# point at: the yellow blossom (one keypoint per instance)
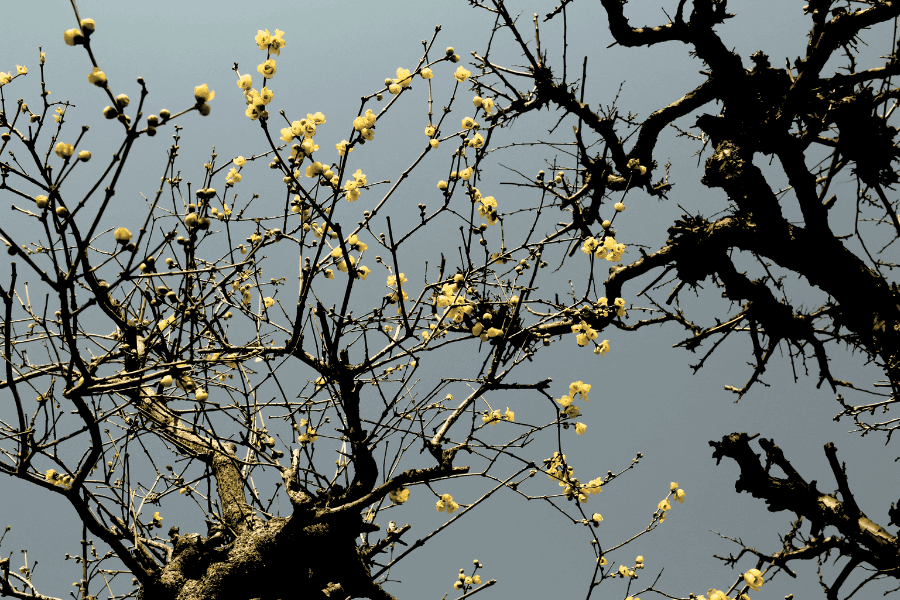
(73, 36)
(400, 495)
(579, 387)
(267, 69)
(461, 74)
(342, 148)
(754, 579)
(354, 242)
(277, 43)
(603, 349)
(202, 94)
(232, 177)
(580, 428)
(403, 77)
(245, 82)
(392, 280)
(97, 77)
(426, 73)
(64, 150)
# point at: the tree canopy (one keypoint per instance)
(214, 347)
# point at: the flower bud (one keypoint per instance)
(122, 235)
(152, 121)
(88, 26)
(97, 77)
(41, 201)
(84, 156)
(73, 37)
(122, 100)
(110, 113)
(164, 114)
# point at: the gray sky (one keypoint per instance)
(644, 397)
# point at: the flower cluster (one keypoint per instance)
(586, 333)
(391, 282)
(446, 503)
(636, 165)
(464, 581)
(608, 249)
(364, 124)
(256, 100)
(678, 494)
(488, 207)
(202, 94)
(62, 480)
(486, 104)
(453, 296)
(604, 308)
(715, 595)
(572, 487)
(492, 418)
(576, 388)
(579, 387)
(304, 129)
(310, 434)
(271, 43)
(351, 187)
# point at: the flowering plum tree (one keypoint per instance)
(175, 343)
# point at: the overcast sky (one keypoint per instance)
(644, 397)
